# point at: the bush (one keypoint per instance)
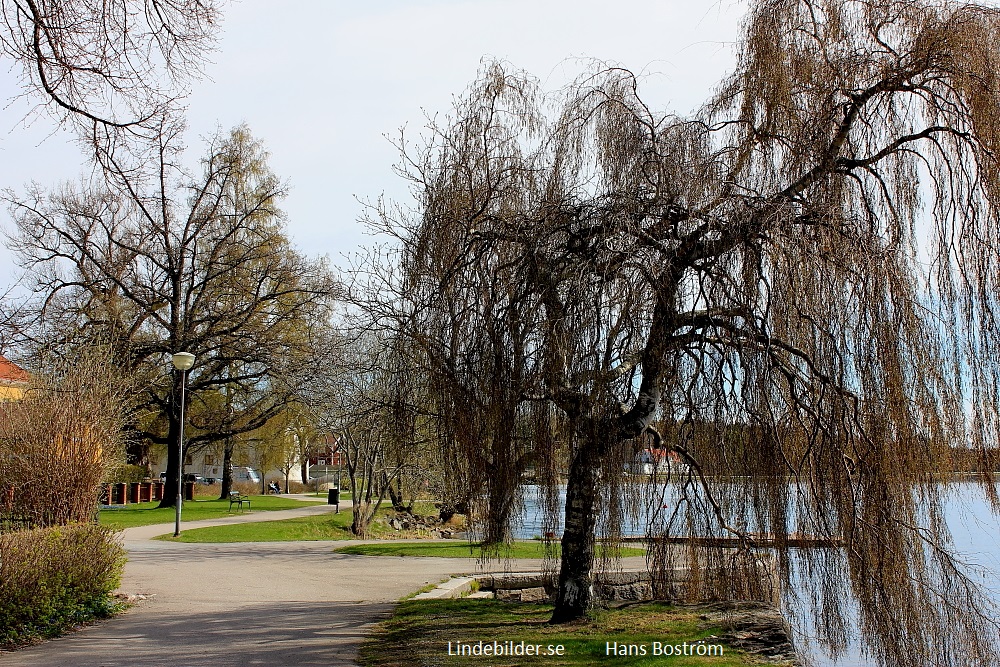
(207, 490)
(54, 578)
(294, 487)
(129, 474)
(247, 488)
(60, 441)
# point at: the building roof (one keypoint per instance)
(11, 372)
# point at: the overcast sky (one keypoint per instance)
(323, 83)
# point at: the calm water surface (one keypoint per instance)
(975, 529)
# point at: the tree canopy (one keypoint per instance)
(794, 288)
(115, 64)
(165, 261)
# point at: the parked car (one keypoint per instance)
(209, 480)
(189, 477)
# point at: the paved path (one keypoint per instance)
(222, 605)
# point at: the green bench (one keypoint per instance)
(238, 499)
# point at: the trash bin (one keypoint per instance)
(188, 490)
(333, 496)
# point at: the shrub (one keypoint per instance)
(248, 488)
(130, 474)
(60, 441)
(54, 578)
(294, 487)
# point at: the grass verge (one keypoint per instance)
(145, 514)
(299, 529)
(309, 528)
(526, 549)
(422, 632)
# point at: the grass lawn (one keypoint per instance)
(145, 514)
(306, 528)
(338, 527)
(419, 633)
(527, 549)
(309, 528)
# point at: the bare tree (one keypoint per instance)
(797, 283)
(173, 262)
(361, 393)
(476, 336)
(116, 64)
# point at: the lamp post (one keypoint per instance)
(182, 361)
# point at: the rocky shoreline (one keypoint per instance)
(754, 627)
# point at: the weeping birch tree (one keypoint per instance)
(794, 289)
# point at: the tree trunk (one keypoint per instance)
(395, 488)
(500, 503)
(359, 520)
(576, 585)
(227, 467)
(173, 445)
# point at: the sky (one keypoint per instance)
(325, 84)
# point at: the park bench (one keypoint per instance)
(13, 522)
(238, 499)
(113, 508)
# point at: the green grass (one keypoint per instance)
(419, 632)
(300, 529)
(424, 589)
(309, 528)
(145, 514)
(528, 549)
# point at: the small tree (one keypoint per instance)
(359, 392)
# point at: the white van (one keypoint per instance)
(244, 474)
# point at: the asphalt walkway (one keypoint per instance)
(222, 605)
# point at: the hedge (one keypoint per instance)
(54, 578)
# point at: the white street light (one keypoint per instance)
(182, 361)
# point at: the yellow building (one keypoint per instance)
(13, 380)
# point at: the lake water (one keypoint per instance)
(975, 529)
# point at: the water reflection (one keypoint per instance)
(975, 530)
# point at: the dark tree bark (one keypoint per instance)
(170, 488)
(227, 467)
(575, 595)
(395, 491)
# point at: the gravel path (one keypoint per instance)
(221, 605)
